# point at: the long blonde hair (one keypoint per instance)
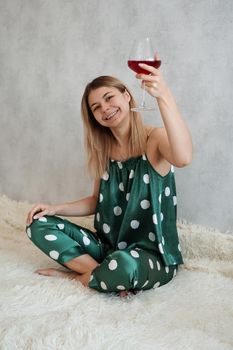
(99, 140)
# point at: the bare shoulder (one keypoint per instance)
(155, 137)
(155, 134)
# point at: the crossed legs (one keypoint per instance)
(81, 269)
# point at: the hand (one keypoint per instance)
(40, 210)
(154, 82)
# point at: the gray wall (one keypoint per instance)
(49, 50)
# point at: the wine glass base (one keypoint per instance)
(142, 109)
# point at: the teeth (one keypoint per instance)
(111, 115)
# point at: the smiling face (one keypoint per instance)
(109, 106)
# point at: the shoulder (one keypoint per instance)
(154, 135)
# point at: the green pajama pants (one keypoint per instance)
(129, 269)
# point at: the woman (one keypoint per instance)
(135, 246)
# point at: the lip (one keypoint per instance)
(111, 115)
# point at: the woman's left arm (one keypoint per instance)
(174, 143)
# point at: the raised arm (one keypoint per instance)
(174, 141)
(82, 207)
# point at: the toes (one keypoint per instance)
(48, 272)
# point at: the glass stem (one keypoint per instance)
(143, 103)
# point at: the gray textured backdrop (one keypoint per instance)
(49, 50)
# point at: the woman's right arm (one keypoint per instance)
(82, 207)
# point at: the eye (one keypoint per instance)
(109, 97)
(95, 108)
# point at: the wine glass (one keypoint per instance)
(142, 52)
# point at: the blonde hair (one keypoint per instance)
(99, 140)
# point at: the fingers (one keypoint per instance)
(39, 210)
(150, 84)
(148, 77)
(150, 69)
(39, 215)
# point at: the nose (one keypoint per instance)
(104, 107)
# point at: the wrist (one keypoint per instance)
(166, 98)
(165, 93)
(58, 209)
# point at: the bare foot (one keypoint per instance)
(126, 293)
(56, 273)
(83, 278)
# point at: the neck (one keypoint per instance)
(121, 135)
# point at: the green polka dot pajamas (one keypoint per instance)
(136, 241)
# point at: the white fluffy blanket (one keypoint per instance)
(194, 311)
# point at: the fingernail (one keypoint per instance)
(35, 217)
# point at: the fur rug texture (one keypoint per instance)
(194, 311)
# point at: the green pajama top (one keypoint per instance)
(137, 208)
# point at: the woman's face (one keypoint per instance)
(109, 106)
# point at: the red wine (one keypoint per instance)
(133, 64)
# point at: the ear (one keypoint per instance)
(127, 95)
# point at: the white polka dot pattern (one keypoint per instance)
(156, 285)
(50, 237)
(179, 247)
(103, 285)
(145, 284)
(151, 264)
(160, 198)
(152, 236)
(60, 226)
(134, 224)
(106, 228)
(145, 204)
(91, 278)
(167, 191)
(146, 179)
(29, 232)
(42, 219)
(83, 232)
(121, 187)
(134, 253)
(122, 245)
(105, 176)
(112, 265)
(117, 211)
(54, 254)
(147, 209)
(120, 287)
(155, 220)
(161, 248)
(86, 240)
(131, 174)
(174, 200)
